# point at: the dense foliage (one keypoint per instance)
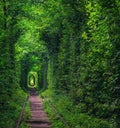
(74, 47)
(11, 96)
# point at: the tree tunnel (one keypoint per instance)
(33, 72)
(32, 80)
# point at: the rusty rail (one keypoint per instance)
(57, 113)
(21, 114)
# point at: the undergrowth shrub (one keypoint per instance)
(72, 115)
(10, 114)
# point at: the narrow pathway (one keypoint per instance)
(39, 118)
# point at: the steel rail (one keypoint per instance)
(21, 113)
(57, 113)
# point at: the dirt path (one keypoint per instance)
(39, 118)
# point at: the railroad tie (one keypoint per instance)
(39, 118)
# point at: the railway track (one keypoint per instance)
(39, 118)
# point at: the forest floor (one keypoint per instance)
(39, 118)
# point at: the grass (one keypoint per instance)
(72, 114)
(10, 112)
